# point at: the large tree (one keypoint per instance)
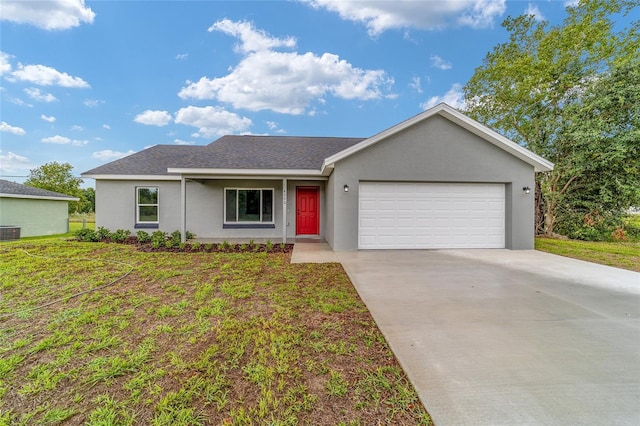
(57, 177)
(561, 91)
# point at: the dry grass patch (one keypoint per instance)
(189, 339)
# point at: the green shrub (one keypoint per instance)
(143, 237)
(86, 234)
(158, 238)
(176, 239)
(103, 233)
(590, 226)
(269, 245)
(189, 235)
(120, 235)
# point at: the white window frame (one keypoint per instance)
(138, 205)
(261, 222)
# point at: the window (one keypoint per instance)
(147, 204)
(248, 206)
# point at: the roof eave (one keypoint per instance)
(39, 197)
(128, 177)
(245, 172)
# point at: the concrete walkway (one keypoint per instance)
(313, 252)
(500, 337)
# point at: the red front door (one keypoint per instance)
(307, 211)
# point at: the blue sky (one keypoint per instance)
(87, 82)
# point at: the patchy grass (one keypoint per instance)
(189, 339)
(625, 255)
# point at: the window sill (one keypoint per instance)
(248, 226)
(146, 226)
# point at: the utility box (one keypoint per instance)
(8, 233)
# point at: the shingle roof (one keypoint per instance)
(17, 189)
(231, 152)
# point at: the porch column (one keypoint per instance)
(284, 210)
(183, 209)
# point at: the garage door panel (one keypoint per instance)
(429, 215)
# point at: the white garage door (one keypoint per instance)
(431, 215)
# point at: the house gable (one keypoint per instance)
(454, 116)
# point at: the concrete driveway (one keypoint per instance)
(500, 337)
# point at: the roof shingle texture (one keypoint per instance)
(231, 152)
(12, 188)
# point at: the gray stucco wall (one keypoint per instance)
(434, 150)
(35, 217)
(116, 206)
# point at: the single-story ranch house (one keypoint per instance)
(436, 180)
(35, 211)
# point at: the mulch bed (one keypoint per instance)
(196, 247)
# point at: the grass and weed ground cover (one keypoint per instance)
(189, 339)
(624, 255)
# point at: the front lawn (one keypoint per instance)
(189, 339)
(624, 255)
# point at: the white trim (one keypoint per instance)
(183, 210)
(132, 177)
(540, 164)
(239, 177)
(260, 222)
(39, 197)
(246, 172)
(284, 210)
(157, 204)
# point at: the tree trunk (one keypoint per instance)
(539, 209)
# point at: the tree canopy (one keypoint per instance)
(570, 93)
(57, 177)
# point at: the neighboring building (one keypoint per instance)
(35, 211)
(437, 180)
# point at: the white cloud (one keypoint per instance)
(11, 162)
(252, 39)
(181, 142)
(379, 16)
(5, 66)
(109, 155)
(416, 84)
(532, 9)
(106, 126)
(272, 125)
(454, 98)
(482, 13)
(153, 118)
(43, 75)
(285, 82)
(77, 128)
(20, 102)
(48, 15)
(212, 121)
(48, 119)
(182, 56)
(4, 127)
(35, 94)
(438, 62)
(63, 140)
(92, 103)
